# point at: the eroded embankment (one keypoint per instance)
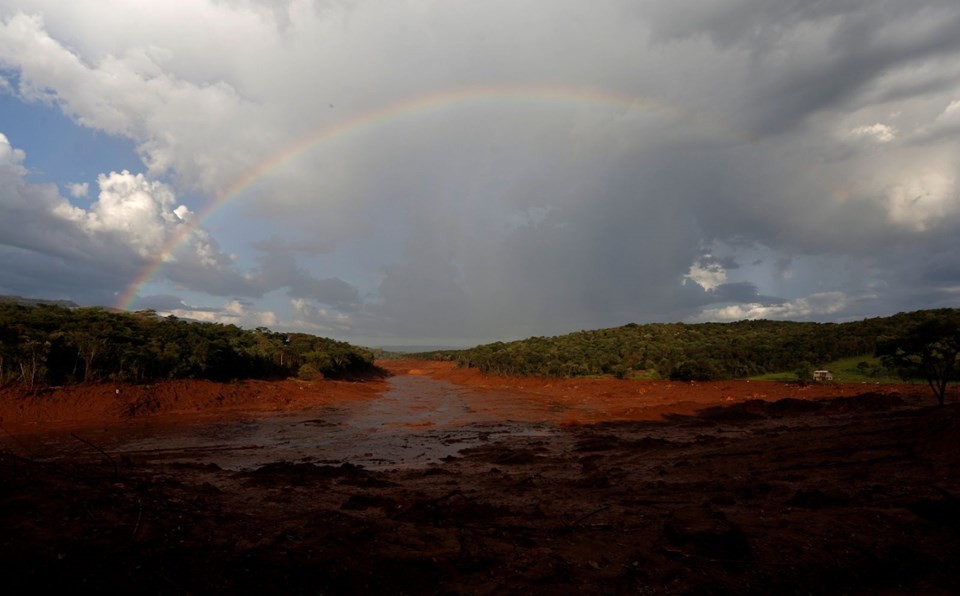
(24, 411)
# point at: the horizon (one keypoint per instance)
(443, 173)
(438, 347)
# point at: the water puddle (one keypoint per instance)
(417, 421)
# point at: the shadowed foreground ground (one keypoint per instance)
(854, 494)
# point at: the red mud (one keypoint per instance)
(71, 407)
(590, 400)
(639, 488)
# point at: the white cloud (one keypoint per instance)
(822, 304)
(923, 197)
(11, 159)
(135, 208)
(318, 315)
(880, 133)
(131, 221)
(948, 121)
(708, 275)
(180, 126)
(140, 213)
(317, 319)
(233, 312)
(234, 308)
(79, 190)
(952, 110)
(43, 251)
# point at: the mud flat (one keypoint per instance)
(439, 480)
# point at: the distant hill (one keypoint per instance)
(37, 302)
(703, 351)
(418, 349)
(412, 352)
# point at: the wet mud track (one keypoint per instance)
(849, 495)
(417, 421)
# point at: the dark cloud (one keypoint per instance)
(423, 298)
(279, 268)
(39, 276)
(742, 292)
(750, 23)
(811, 56)
(505, 169)
(332, 291)
(862, 51)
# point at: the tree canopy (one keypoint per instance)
(928, 350)
(46, 344)
(703, 351)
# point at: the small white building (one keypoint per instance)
(822, 375)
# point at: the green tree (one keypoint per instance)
(804, 372)
(928, 351)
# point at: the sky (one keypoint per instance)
(453, 172)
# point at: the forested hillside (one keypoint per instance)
(45, 344)
(704, 351)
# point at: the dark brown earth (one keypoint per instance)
(638, 487)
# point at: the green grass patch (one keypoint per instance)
(855, 369)
(782, 377)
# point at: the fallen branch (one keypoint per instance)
(583, 517)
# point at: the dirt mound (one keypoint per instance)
(756, 409)
(866, 402)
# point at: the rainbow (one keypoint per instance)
(438, 99)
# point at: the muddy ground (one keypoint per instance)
(624, 487)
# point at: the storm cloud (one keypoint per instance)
(494, 170)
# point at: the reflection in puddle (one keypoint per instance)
(417, 421)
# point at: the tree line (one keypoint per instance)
(46, 344)
(703, 351)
